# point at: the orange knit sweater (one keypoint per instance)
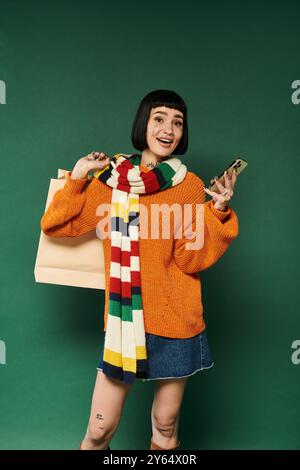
(170, 281)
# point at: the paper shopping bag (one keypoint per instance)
(69, 261)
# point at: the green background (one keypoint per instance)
(75, 72)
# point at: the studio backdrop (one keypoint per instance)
(72, 74)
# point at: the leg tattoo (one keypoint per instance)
(100, 418)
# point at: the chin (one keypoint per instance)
(160, 153)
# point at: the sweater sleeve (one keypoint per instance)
(220, 229)
(72, 211)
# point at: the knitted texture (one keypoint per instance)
(170, 280)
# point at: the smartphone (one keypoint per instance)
(239, 164)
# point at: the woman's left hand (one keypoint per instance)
(222, 198)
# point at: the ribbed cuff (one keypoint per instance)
(73, 186)
(221, 215)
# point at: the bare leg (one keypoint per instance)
(109, 397)
(166, 410)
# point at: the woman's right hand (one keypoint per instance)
(92, 161)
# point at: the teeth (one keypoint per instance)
(166, 141)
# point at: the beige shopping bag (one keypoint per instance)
(69, 261)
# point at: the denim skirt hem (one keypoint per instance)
(179, 377)
(165, 378)
(172, 358)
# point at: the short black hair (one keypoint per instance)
(156, 98)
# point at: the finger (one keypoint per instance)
(93, 155)
(219, 197)
(219, 185)
(102, 156)
(99, 156)
(227, 180)
(103, 163)
(212, 181)
(234, 177)
(230, 181)
(211, 193)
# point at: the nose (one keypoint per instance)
(168, 130)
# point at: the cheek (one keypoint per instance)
(179, 134)
(153, 130)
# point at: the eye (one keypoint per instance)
(178, 123)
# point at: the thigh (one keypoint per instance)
(108, 400)
(167, 400)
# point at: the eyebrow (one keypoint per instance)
(163, 112)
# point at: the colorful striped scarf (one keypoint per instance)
(125, 355)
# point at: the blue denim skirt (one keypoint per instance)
(170, 358)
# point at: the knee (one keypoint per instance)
(164, 424)
(98, 434)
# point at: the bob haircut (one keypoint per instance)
(156, 98)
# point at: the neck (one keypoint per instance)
(149, 159)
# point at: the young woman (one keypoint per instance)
(153, 319)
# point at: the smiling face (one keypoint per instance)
(164, 124)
